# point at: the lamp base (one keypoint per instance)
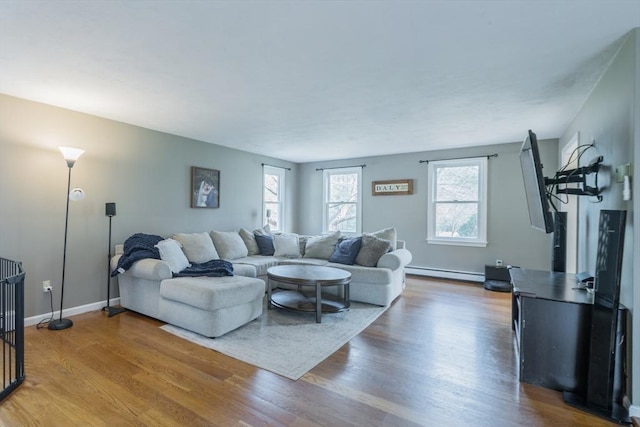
(56, 325)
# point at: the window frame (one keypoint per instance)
(326, 174)
(433, 166)
(280, 172)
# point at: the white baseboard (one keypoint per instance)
(445, 274)
(34, 320)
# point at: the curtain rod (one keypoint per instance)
(342, 167)
(273, 166)
(488, 156)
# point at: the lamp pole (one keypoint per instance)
(70, 154)
(63, 323)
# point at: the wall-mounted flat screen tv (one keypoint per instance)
(534, 186)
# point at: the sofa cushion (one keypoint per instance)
(198, 247)
(265, 243)
(368, 275)
(389, 234)
(303, 261)
(212, 293)
(259, 262)
(321, 247)
(286, 245)
(249, 240)
(229, 244)
(346, 251)
(171, 253)
(371, 250)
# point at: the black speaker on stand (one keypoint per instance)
(110, 211)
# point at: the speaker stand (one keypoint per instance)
(111, 311)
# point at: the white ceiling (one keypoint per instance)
(317, 80)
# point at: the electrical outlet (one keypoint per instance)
(46, 286)
(498, 263)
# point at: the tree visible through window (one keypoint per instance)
(342, 200)
(457, 202)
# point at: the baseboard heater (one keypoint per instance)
(445, 274)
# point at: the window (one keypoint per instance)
(457, 202)
(343, 200)
(273, 198)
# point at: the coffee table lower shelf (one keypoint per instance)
(297, 301)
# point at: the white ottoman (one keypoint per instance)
(211, 306)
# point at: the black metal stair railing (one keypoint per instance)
(11, 325)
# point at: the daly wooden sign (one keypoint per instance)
(398, 187)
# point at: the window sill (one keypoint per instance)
(451, 242)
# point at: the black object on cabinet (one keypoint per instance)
(607, 338)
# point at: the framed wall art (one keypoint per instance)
(397, 187)
(205, 187)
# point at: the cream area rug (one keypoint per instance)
(288, 343)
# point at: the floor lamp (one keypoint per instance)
(70, 155)
(110, 211)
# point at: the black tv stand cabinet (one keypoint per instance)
(552, 319)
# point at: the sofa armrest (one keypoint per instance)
(148, 268)
(395, 259)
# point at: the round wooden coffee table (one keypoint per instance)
(313, 276)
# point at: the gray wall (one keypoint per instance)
(147, 173)
(509, 233)
(610, 117)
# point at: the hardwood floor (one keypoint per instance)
(441, 355)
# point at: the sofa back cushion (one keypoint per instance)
(321, 247)
(249, 241)
(229, 244)
(198, 247)
(389, 234)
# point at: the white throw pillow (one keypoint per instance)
(171, 253)
(198, 247)
(229, 244)
(286, 245)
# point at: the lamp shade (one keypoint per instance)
(76, 194)
(70, 154)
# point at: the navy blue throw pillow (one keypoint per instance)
(346, 251)
(265, 243)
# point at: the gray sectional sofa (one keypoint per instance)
(212, 306)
